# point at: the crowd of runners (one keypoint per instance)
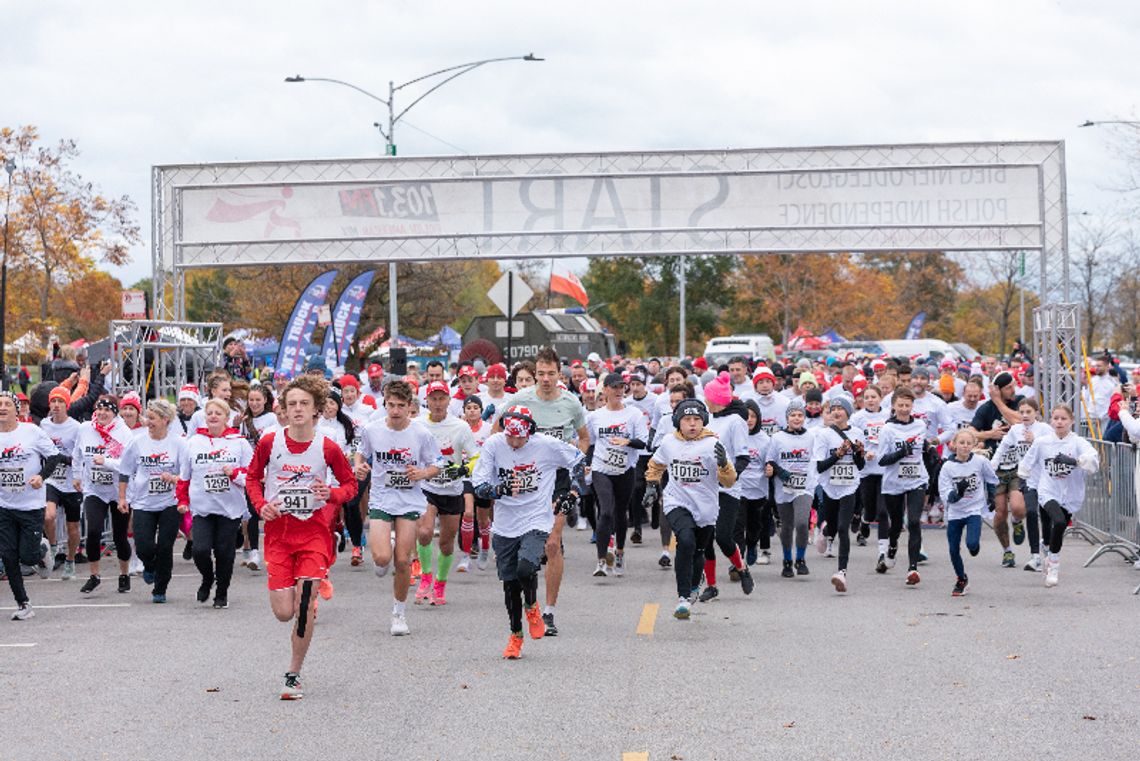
(449, 470)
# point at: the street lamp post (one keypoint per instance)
(9, 167)
(390, 140)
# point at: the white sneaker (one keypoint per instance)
(463, 565)
(765, 558)
(1034, 563)
(830, 549)
(820, 540)
(399, 625)
(925, 517)
(135, 567)
(254, 562)
(68, 570)
(481, 561)
(619, 565)
(890, 561)
(24, 612)
(839, 581)
(245, 558)
(1052, 573)
(582, 525)
(988, 517)
(43, 568)
(602, 569)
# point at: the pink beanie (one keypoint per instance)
(718, 391)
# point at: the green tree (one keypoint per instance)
(210, 298)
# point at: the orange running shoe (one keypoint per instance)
(357, 556)
(514, 646)
(437, 593)
(326, 589)
(534, 622)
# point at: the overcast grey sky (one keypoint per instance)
(142, 83)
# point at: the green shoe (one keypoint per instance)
(1007, 559)
(1019, 532)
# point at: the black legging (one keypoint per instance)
(95, 511)
(215, 534)
(636, 507)
(753, 524)
(252, 527)
(1059, 522)
(891, 520)
(613, 494)
(725, 527)
(837, 515)
(871, 497)
(691, 543)
(155, 532)
(1033, 524)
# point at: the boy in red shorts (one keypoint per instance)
(286, 484)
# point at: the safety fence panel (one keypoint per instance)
(1109, 516)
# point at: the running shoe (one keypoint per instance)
(24, 612)
(912, 577)
(548, 620)
(925, 517)
(839, 581)
(801, 568)
(788, 573)
(342, 540)
(1052, 573)
(750, 555)
(881, 566)
(81, 558)
(820, 541)
(830, 549)
(1034, 563)
(254, 563)
(682, 611)
(481, 561)
(709, 594)
(358, 558)
(423, 592)
(43, 568)
(1007, 559)
(959, 587)
(746, 582)
(635, 537)
(601, 570)
(439, 593)
(765, 558)
(221, 602)
(860, 540)
(733, 574)
(1018, 532)
(325, 589)
(244, 559)
(292, 688)
(463, 565)
(665, 561)
(513, 650)
(619, 565)
(204, 591)
(89, 585)
(922, 556)
(610, 555)
(891, 553)
(124, 583)
(582, 526)
(60, 559)
(399, 625)
(856, 524)
(148, 577)
(68, 570)
(158, 598)
(536, 622)
(135, 567)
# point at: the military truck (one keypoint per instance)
(571, 332)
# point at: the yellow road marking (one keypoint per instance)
(634, 757)
(645, 625)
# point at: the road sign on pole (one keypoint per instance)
(510, 294)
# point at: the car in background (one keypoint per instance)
(920, 347)
(756, 346)
(966, 352)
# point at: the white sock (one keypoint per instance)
(397, 608)
(548, 609)
(883, 546)
(381, 570)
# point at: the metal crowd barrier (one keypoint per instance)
(1109, 516)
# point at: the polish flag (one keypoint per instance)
(563, 281)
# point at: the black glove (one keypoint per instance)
(721, 455)
(1064, 459)
(652, 492)
(567, 503)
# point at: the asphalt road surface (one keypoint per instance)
(1012, 670)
